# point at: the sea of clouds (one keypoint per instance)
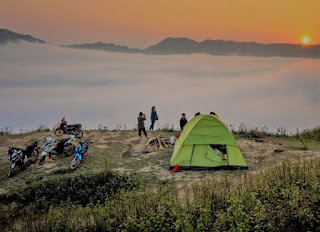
(39, 84)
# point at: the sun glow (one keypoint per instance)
(306, 40)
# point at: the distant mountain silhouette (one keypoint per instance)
(175, 46)
(110, 47)
(170, 46)
(222, 48)
(10, 36)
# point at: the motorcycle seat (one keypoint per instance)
(61, 142)
(31, 146)
(74, 125)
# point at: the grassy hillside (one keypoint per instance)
(122, 185)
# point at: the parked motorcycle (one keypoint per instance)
(22, 157)
(64, 128)
(79, 152)
(63, 146)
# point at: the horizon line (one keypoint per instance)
(169, 37)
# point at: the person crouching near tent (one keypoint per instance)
(183, 121)
(141, 119)
(196, 114)
(154, 117)
(213, 113)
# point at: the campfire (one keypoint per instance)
(157, 143)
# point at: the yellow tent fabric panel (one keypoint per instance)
(183, 160)
(235, 157)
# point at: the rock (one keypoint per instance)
(145, 151)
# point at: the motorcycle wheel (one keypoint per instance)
(34, 156)
(78, 133)
(59, 132)
(68, 150)
(42, 159)
(10, 172)
(74, 162)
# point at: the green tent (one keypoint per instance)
(206, 143)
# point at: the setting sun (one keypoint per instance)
(306, 40)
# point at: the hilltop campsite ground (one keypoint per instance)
(121, 153)
(125, 152)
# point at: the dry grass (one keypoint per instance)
(125, 152)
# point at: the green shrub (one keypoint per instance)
(79, 190)
(284, 197)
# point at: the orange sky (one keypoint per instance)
(140, 23)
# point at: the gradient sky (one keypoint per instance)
(140, 23)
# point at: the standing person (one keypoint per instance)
(141, 119)
(154, 117)
(183, 121)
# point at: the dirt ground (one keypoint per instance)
(125, 152)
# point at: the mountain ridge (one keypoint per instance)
(184, 45)
(7, 36)
(104, 46)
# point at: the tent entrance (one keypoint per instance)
(220, 150)
(204, 155)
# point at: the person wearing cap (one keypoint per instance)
(141, 128)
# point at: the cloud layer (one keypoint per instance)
(42, 83)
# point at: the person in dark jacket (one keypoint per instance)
(196, 114)
(154, 117)
(183, 121)
(141, 119)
